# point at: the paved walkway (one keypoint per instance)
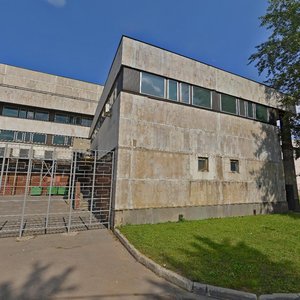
(88, 265)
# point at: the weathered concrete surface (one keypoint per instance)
(23, 86)
(158, 148)
(90, 265)
(152, 59)
(26, 87)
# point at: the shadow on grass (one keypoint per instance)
(37, 284)
(235, 266)
(294, 215)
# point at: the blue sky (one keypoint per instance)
(78, 38)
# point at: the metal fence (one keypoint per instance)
(44, 191)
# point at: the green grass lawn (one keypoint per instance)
(259, 254)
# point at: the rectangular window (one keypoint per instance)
(86, 122)
(41, 115)
(202, 164)
(19, 136)
(58, 140)
(261, 113)
(201, 97)
(250, 110)
(242, 107)
(7, 135)
(228, 104)
(185, 93)
(30, 114)
(172, 90)
(27, 137)
(234, 165)
(68, 141)
(23, 113)
(10, 111)
(60, 118)
(39, 138)
(152, 85)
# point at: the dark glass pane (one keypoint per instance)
(27, 137)
(261, 113)
(86, 122)
(250, 110)
(234, 166)
(202, 164)
(59, 118)
(39, 138)
(30, 114)
(228, 104)
(68, 140)
(58, 140)
(41, 115)
(153, 85)
(172, 93)
(10, 111)
(23, 113)
(185, 93)
(242, 108)
(201, 97)
(7, 135)
(19, 136)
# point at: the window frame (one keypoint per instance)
(12, 108)
(206, 160)
(192, 97)
(237, 163)
(180, 93)
(236, 105)
(168, 90)
(165, 85)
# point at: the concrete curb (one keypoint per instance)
(280, 297)
(154, 267)
(196, 287)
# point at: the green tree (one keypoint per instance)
(279, 56)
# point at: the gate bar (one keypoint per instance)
(3, 164)
(26, 190)
(50, 191)
(72, 193)
(93, 187)
(111, 187)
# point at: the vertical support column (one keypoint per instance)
(50, 193)
(289, 165)
(111, 188)
(3, 165)
(15, 177)
(26, 191)
(72, 191)
(6, 174)
(93, 185)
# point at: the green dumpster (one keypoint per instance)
(52, 190)
(62, 190)
(36, 190)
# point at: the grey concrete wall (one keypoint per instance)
(108, 135)
(26, 87)
(115, 68)
(158, 149)
(149, 58)
(8, 123)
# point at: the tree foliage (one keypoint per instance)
(279, 56)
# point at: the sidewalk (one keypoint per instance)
(89, 265)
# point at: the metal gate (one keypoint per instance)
(57, 190)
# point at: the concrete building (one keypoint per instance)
(43, 109)
(176, 138)
(189, 139)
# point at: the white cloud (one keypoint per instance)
(57, 3)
